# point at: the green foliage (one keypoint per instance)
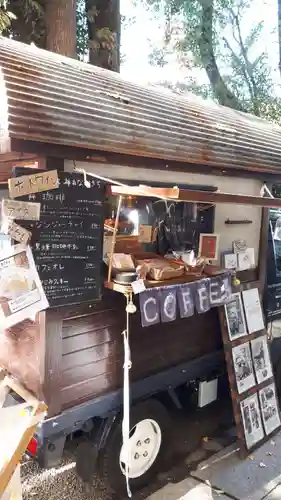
(238, 70)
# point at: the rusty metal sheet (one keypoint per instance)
(48, 98)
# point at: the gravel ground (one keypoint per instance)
(61, 483)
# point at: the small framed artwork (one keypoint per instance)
(261, 359)
(209, 246)
(269, 408)
(235, 319)
(243, 367)
(251, 418)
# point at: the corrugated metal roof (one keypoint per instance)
(52, 99)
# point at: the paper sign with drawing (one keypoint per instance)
(21, 291)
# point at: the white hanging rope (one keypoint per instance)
(126, 399)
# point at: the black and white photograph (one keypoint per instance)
(269, 408)
(252, 424)
(243, 367)
(235, 317)
(261, 359)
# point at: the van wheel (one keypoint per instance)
(149, 424)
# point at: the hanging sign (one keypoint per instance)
(21, 210)
(16, 232)
(67, 240)
(162, 304)
(34, 183)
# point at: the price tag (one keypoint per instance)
(138, 286)
(145, 234)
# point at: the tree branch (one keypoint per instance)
(221, 91)
(250, 79)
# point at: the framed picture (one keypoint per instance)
(251, 417)
(235, 317)
(261, 359)
(209, 246)
(243, 367)
(269, 408)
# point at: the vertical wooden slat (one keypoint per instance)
(53, 361)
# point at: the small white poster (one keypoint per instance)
(21, 291)
(243, 367)
(269, 408)
(253, 310)
(251, 420)
(261, 359)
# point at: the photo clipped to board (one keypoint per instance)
(243, 367)
(253, 310)
(235, 317)
(252, 424)
(269, 408)
(261, 359)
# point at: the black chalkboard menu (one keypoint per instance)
(67, 240)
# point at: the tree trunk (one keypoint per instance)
(208, 58)
(104, 33)
(60, 16)
(279, 32)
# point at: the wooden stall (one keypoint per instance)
(67, 115)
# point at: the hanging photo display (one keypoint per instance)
(249, 367)
(252, 423)
(243, 366)
(235, 317)
(165, 303)
(253, 310)
(269, 408)
(261, 359)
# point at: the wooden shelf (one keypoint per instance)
(125, 289)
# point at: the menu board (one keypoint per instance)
(67, 240)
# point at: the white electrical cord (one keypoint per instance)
(126, 399)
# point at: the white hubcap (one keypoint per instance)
(144, 445)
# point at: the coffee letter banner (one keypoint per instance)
(163, 303)
(201, 295)
(168, 304)
(185, 300)
(149, 307)
(219, 290)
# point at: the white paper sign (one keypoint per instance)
(138, 286)
(21, 291)
(16, 232)
(253, 310)
(33, 183)
(246, 260)
(23, 210)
